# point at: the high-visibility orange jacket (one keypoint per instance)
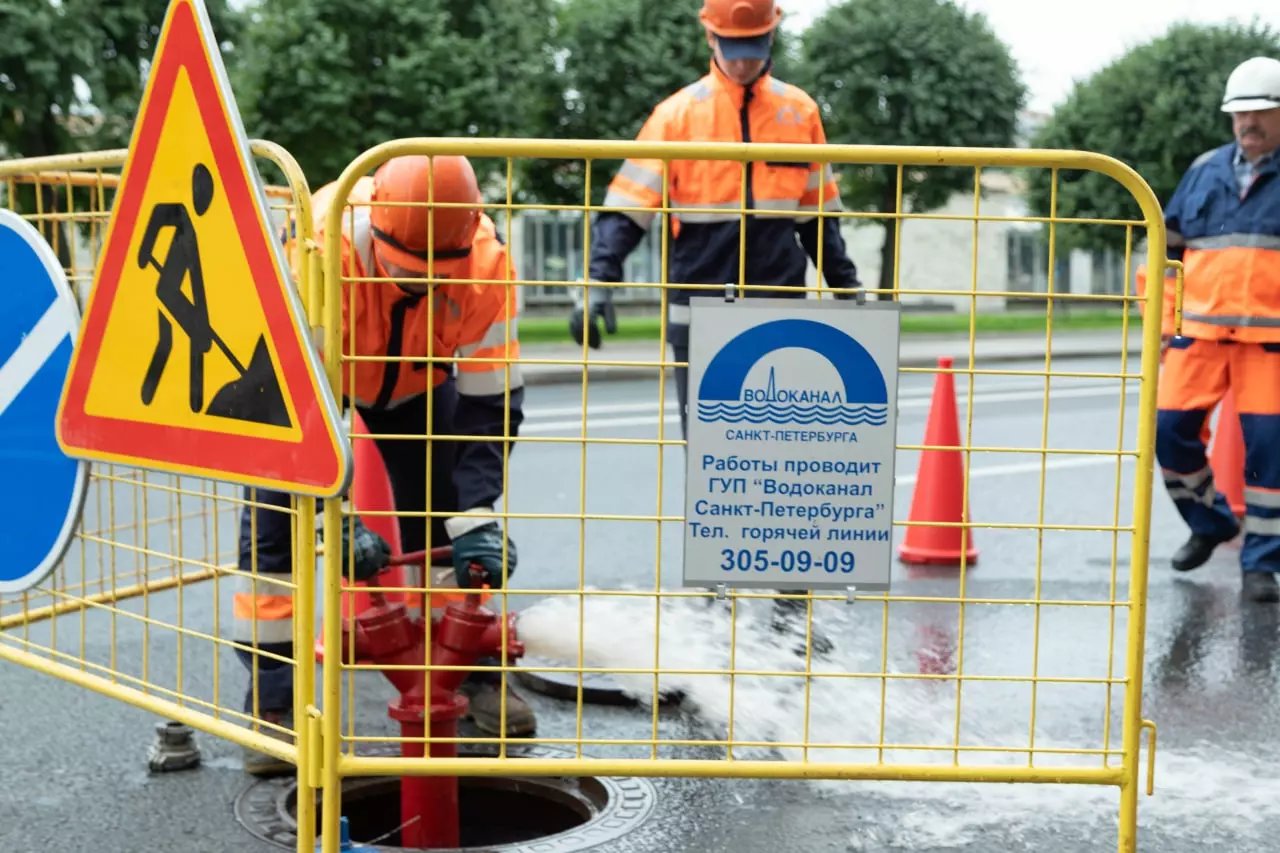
(463, 320)
(1169, 304)
(704, 246)
(1228, 240)
(476, 320)
(320, 200)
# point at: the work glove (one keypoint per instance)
(372, 553)
(600, 307)
(482, 545)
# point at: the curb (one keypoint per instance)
(572, 374)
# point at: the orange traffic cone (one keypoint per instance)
(370, 491)
(939, 491)
(1227, 456)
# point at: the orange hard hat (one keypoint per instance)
(403, 231)
(735, 19)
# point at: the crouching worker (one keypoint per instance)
(411, 318)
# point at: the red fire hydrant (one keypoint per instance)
(386, 634)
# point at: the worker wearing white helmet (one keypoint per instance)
(1223, 223)
(1253, 87)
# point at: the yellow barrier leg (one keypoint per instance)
(304, 681)
(331, 808)
(1129, 816)
(1138, 579)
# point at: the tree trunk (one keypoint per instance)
(42, 139)
(888, 204)
(54, 232)
(887, 257)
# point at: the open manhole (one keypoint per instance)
(516, 814)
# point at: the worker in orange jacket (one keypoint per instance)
(1223, 223)
(412, 318)
(739, 100)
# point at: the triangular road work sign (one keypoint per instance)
(194, 356)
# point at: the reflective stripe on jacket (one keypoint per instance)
(1229, 243)
(459, 320)
(705, 243)
(320, 199)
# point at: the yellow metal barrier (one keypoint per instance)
(1070, 642)
(119, 616)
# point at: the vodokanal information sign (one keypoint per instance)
(792, 426)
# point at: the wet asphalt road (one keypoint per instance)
(75, 774)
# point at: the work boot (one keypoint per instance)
(789, 615)
(1195, 552)
(484, 708)
(1260, 586)
(260, 763)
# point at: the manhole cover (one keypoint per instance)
(597, 688)
(514, 814)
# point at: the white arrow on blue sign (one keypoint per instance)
(42, 491)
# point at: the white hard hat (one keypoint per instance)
(1254, 85)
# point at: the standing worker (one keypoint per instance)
(738, 101)
(1223, 223)
(410, 320)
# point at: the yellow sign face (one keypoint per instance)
(193, 356)
(163, 312)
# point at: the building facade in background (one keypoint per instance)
(935, 254)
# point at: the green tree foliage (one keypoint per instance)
(38, 70)
(909, 72)
(1156, 109)
(620, 59)
(71, 75)
(328, 79)
(122, 40)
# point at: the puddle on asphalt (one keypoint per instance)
(1201, 793)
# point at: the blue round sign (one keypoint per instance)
(41, 503)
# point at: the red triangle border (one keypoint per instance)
(313, 465)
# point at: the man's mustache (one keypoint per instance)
(1252, 128)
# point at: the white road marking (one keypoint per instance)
(600, 423)
(1051, 464)
(36, 348)
(922, 401)
(1055, 462)
(907, 396)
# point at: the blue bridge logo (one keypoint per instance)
(860, 399)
